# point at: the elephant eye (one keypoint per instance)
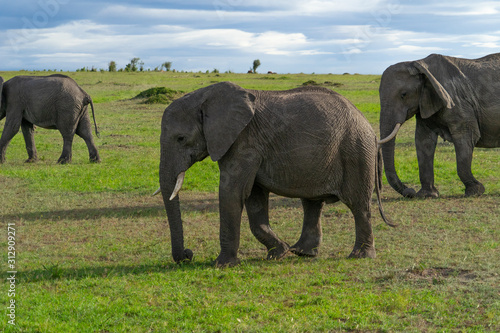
(181, 139)
(403, 95)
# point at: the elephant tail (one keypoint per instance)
(378, 187)
(89, 101)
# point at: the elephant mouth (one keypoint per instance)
(177, 188)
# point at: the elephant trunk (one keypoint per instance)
(172, 206)
(388, 147)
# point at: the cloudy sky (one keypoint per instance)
(288, 36)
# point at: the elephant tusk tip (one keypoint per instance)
(391, 136)
(178, 185)
(156, 192)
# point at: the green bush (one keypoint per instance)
(159, 95)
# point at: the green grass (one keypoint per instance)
(93, 246)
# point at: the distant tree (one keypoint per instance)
(167, 65)
(112, 66)
(132, 66)
(256, 64)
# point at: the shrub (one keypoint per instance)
(159, 95)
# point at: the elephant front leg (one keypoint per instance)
(29, 138)
(66, 154)
(311, 236)
(237, 176)
(257, 206)
(425, 143)
(230, 208)
(463, 151)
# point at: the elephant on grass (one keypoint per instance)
(456, 99)
(52, 102)
(308, 143)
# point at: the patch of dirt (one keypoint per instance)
(437, 273)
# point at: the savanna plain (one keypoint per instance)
(93, 246)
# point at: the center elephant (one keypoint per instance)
(307, 143)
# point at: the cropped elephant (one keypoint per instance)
(308, 143)
(456, 99)
(52, 102)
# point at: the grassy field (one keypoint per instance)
(93, 247)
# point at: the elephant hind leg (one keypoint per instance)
(364, 246)
(84, 130)
(12, 125)
(257, 206)
(311, 236)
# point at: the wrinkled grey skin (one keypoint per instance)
(308, 143)
(52, 102)
(456, 99)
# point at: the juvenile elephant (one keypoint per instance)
(52, 102)
(457, 99)
(308, 143)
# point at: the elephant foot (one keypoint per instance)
(95, 159)
(409, 193)
(305, 251)
(278, 252)
(63, 160)
(31, 160)
(186, 255)
(363, 251)
(428, 193)
(226, 261)
(474, 189)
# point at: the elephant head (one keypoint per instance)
(407, 89)
(204, 122)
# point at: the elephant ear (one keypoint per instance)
(227, 110)
(434, 96)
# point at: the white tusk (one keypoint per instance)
(157, 191)
(391, 136)
(178, 185)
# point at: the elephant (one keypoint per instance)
(453, 98)
(52, 102)
(309, 143)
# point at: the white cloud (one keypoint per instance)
(456, 8)
(51, 44)
(415, 49)
(287, 35)
(475, 9)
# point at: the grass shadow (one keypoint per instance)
(87, 213)
(55, 272)
(208, 203)
(452, 197)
